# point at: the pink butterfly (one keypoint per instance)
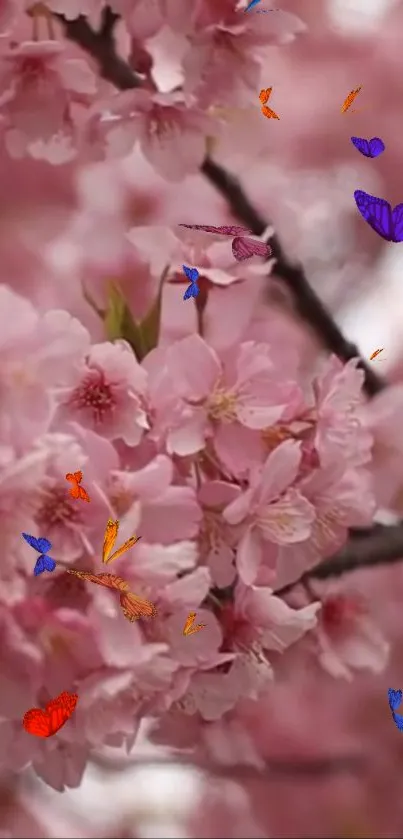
(242, 246)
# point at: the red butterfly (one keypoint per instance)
(133, 607)
(48, 722)
(76, 491)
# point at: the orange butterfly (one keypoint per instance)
(76, 491)
(133, 607)
(350, 99)
(111, 532)
(189, 629)
(375, 353)
(56, 713)
(264, 97)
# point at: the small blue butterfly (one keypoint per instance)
(394, 699)
(192, 275)
(253, 3)
(44, 562)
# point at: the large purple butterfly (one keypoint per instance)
(242, 246)
(380, 216)
(371, 148)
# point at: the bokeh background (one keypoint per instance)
(66, 225)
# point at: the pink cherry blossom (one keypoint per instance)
(197, 396)
(108, 394)
(40, 85)
(37, 353)
(272, 511)
(146, 501)
(348, 638)
(171, 135)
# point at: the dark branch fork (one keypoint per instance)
(380, 544)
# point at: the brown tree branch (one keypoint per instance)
(101, 46)
(378, 545)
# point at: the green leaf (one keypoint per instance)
(150, 325)
(142, 336)
(119, 323)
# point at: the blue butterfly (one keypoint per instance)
(44, 562)
(253, 3)
(394, 699)
(192, 275)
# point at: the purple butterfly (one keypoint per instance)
(192, 275)
(380, 216)
(44, 562)
(242, 247)
(371, 148)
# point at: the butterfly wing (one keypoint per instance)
(44, 563)
(83, 494)
(41, 545)
(376, 147)
(191, 273)
(243, 248)
(350, 99)
(108, 580)
(224, 230)
(75, 491)
(251, 5)
(71, 477)
(49, 563)
(60, 710)
(394, 698)
(192, 291)
(269, 113)
(129, 544)
(134, 607)
(111, 532)
(65, 700)
(265, 94)
(36, 721)
(397, 222)
(39, 565)
(362, 145)
(376, 212)
(189, 622)
(78, 476)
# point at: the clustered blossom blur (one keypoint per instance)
(208, 427)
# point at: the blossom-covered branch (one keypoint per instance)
(101, 47)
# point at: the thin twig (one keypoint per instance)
(379, 545)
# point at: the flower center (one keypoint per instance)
(221, 405)
(57, 509)
(94, 395)
(339, 610)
